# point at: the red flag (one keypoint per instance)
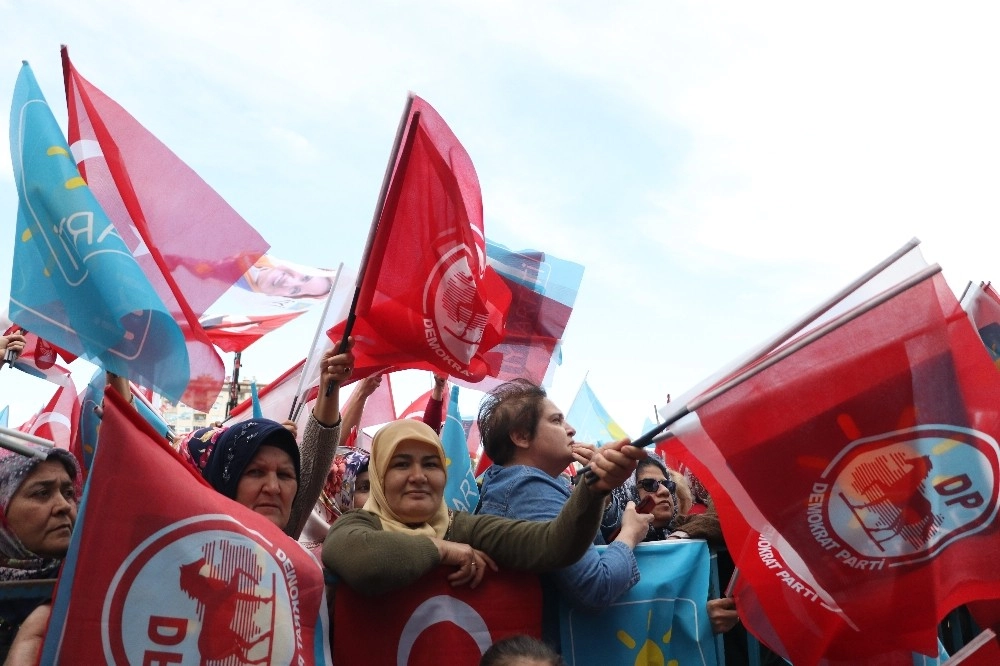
(430, 622)
(867, 454)
(166, 570)
(427, 298)
(59, 420)
(188, 241)
(234, 333)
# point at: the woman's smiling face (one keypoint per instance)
(414, 482)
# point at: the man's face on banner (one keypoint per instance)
(290, 283)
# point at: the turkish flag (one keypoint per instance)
(427, 298)
(430, 622)
(164, 569)
(867, 454)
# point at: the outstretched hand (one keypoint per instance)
(612, 464)
(471, 562)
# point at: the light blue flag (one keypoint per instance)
(591, 421)
(662, 620)
(74, 281)
(258, 413)
(90, 399)
(461, 492)
(3, 416)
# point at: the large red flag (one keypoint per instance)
(163, 569)
(188, 241)
(427, 298)
(430, 622)
(867, 454)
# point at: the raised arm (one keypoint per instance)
(319, 444)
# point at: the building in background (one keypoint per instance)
(183, 419)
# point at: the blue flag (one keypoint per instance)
(258, 413)
(461, 492)
(592, 422)
(662, 620)
(74, 281)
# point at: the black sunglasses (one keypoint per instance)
(651, 485)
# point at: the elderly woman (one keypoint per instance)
(405, 528)
(38, 499)
(258, 463)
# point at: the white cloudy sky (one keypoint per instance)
(718, 168)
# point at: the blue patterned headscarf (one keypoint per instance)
(221, 454)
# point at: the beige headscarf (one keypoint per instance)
(384, 447)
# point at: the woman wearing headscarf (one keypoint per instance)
(405, 529)
(347, 487)
(38, 500)
(258, 463)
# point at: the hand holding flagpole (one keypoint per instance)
(13, 344)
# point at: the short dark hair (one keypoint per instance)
(503, 652)
(512, 407)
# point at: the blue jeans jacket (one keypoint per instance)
(594, 582)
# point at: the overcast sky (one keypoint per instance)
(718, 169)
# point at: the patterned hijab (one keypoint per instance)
(221, 454)
(629, 492)
(341, 481)
(384, 446)
(16, 561)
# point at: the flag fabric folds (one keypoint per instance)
(163, 569)
(591, 420)
(866, 453)
(59, 420)
(543, 290)
(427, 298)
(429, 622)
(189, 242)
(461, 492)
(663, 619)
(75, 283)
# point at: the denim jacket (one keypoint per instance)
(594, 582)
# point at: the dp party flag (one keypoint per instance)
(426, 296)
(866, 454)
(163, 569)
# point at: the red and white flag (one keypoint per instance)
(866, 453)
(427, 298)
(430, 622)
(59, 420)
(190, 243)
(164, 569)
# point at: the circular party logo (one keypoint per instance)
(903, 496)
(202, 590)
(455, 317)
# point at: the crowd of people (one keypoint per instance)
(377, 519)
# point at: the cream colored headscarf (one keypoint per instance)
(384, 447)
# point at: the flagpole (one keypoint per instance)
(654, 436)
(234, 385)
(379, 206)
(292, 413)
(12, 444)
(34, 439)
